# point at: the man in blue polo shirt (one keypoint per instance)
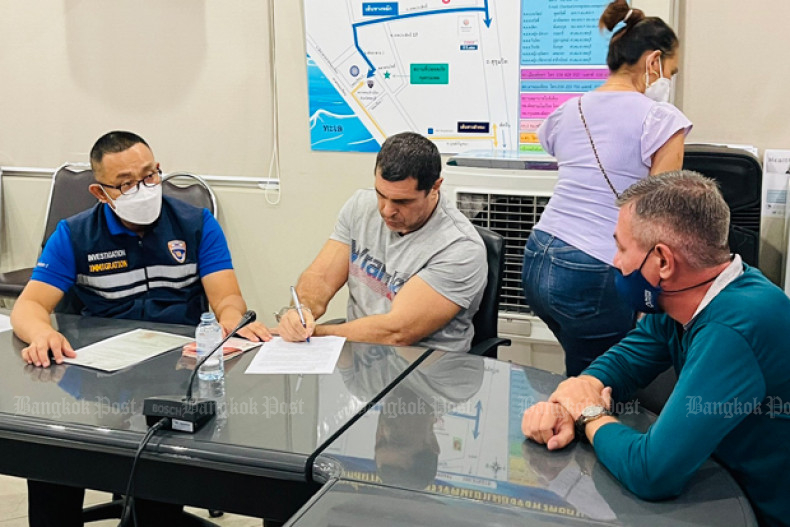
(135, 255)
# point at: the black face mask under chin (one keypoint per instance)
(709, 280)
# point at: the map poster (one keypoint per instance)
(468, 74)
(447, 69)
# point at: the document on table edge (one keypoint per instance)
(126, 349)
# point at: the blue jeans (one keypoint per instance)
(574, 294)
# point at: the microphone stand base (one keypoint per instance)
(186, 415)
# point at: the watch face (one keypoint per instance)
(592, 411)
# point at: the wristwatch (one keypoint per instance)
(278, 315)
(588, 415)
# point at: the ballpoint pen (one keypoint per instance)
(299, 309)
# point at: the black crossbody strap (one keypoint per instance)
(595, 151)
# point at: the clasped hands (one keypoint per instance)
(552, 423)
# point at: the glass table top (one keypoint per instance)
(452, 428)
(287, 413)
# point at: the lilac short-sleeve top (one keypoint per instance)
(627, 128)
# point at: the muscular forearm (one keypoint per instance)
(230, 310)
(314, 292)
(379, 329)
(30, 319)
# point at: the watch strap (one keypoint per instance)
(583, 420)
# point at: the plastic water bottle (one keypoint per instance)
(207, 335)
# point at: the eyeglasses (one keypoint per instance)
(128, 188)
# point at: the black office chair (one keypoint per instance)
(68, 195)
(191, 189)
(486, 339)
(739, 175)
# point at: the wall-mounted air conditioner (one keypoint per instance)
(510, 202)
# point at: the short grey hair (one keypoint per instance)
(684, 210)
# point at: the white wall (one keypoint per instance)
(735, 78)
(193, 77)
(190, 76)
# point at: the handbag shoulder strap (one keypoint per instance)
(595, 151)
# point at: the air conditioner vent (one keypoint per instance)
(513, 217)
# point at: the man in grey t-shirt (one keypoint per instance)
(415, 266)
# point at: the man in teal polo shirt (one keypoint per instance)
(720, 323)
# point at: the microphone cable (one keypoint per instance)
(128, 500)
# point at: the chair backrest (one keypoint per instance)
(739, 175)
(68, 195)
(485, 320)
(191, 189)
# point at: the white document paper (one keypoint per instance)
(126, 349)
(776, 168)
(278, 356)
(5, 323)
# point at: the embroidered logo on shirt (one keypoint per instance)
(178, 250)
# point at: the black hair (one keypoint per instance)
(640, 34)
(112, 143)
(408, 155)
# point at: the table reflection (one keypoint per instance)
(453, 428)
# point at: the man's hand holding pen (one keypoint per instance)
(296, 325)
(298, 306)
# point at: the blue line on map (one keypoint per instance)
(475, 418)
(372, 69)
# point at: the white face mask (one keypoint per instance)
(142, 207)
(658, 91)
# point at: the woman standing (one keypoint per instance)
(603, 141)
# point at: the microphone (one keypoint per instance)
(188, 414)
